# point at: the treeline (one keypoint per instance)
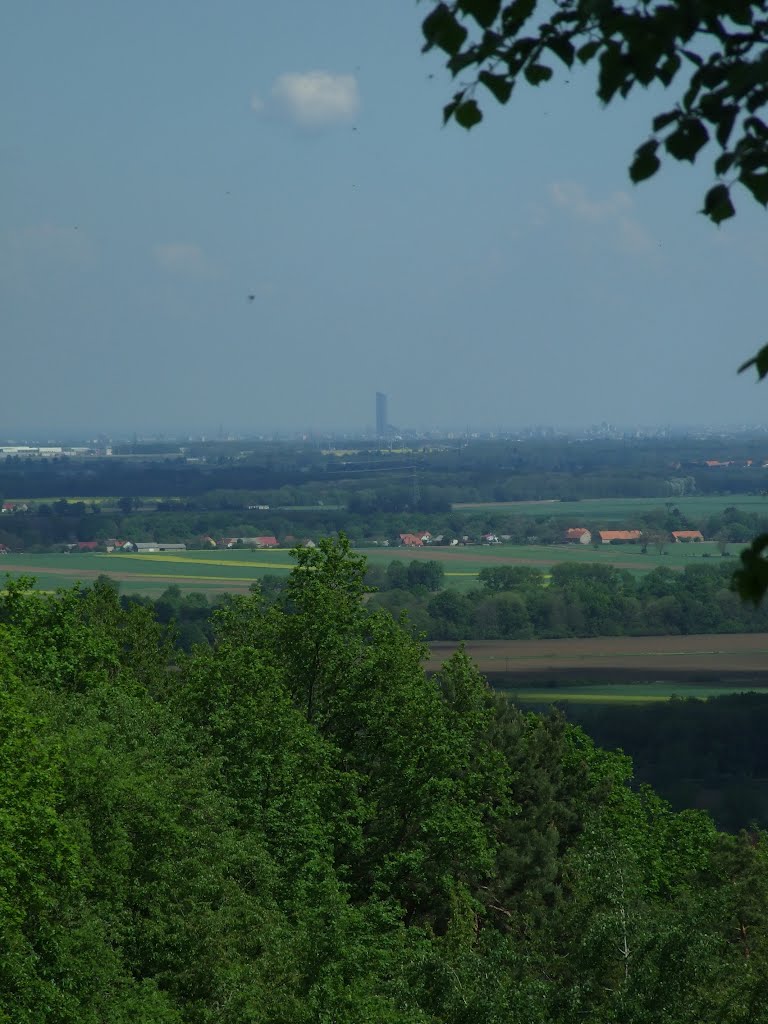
(514, 603)
(709, 753)
(428, 477)
(520, 603)
(295, 824)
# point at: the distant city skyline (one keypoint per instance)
(101, 439)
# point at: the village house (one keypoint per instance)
(619, 536)
(11, 506)
(687, 536)
(4, 550)
(577, 535)
(490, 538)
(411, 540)
(153, 546)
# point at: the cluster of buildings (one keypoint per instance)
(150, 547)
(27, 451)
(572, 535)
(580, 535)
(10, 507)
(422, 537)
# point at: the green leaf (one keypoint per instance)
(499, 85)
(468, 114)
(725, 124)
(450, 108)
(537, 73)
(613, 72)
(484, 12)
(516, 15)
(751, 581)
(667, 71)
(757, 185)
(441, 29)
(686, 141)
(718, 205)
(645, 163)
(759, 361)
(662, 120)
(724, 163)
(562, 48)
(586, 52)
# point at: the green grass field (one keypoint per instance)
(618, 693)
(469, 560)
(620, 510)
(237, 570)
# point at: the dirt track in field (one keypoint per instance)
(736, 657)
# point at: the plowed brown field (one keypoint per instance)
(736, 657)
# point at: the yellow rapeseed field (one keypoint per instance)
(190, 560)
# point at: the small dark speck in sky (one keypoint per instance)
(251, 298)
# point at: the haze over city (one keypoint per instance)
(249, 215)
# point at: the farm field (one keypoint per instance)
(624, 669)
(237, 570)
(621, 510)
(544, 556)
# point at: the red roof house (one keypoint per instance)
(625, 536)
(578, 535)
(687, 535)
(411, 540)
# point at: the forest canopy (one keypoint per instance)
(296, 823)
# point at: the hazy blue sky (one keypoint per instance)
(162, 161)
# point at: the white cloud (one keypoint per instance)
(313, 99)
(181, 258)
(573, 197)
(613, 211)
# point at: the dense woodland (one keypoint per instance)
(518, 603)
(294, 823)
(696, 753)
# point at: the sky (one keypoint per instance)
(247, 216)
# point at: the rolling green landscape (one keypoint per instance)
(236, 570)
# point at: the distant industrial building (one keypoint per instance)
(382, 421)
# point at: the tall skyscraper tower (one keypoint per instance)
(381, 414)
